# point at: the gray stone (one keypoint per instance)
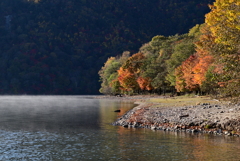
(153, 128)
(226, 132)
(229, 134)
(194, 131)
(219, 131)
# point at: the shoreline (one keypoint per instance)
(213, 118)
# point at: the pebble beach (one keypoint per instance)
(214, 118)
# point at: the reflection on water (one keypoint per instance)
(78, 128)
(107, 108)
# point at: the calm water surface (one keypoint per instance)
(78, 128)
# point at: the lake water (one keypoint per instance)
(79, 128)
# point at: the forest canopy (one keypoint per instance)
(58, 46)
(204, 60)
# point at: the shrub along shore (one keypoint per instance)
(189, 114)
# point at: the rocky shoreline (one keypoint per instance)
(218, 119)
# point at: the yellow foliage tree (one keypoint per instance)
(224, 22)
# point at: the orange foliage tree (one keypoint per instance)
(205, 59)
(144, 83)
(201, 67)
(127, 79)
(129, 74)
(185, 75)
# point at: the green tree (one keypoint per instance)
(181, 52)
(182, 49)
(109, 75)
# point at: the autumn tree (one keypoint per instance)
(223, 24)
(144, 84)
(129, 73)
(127, 80)
(205, 63)
(201, 67)
(185, 75)
(223, 21)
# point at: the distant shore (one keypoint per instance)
(209, 116)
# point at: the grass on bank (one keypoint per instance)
(182, 101)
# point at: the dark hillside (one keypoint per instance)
(58, 46)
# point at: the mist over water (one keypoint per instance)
(47, 113)
(79, 128)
